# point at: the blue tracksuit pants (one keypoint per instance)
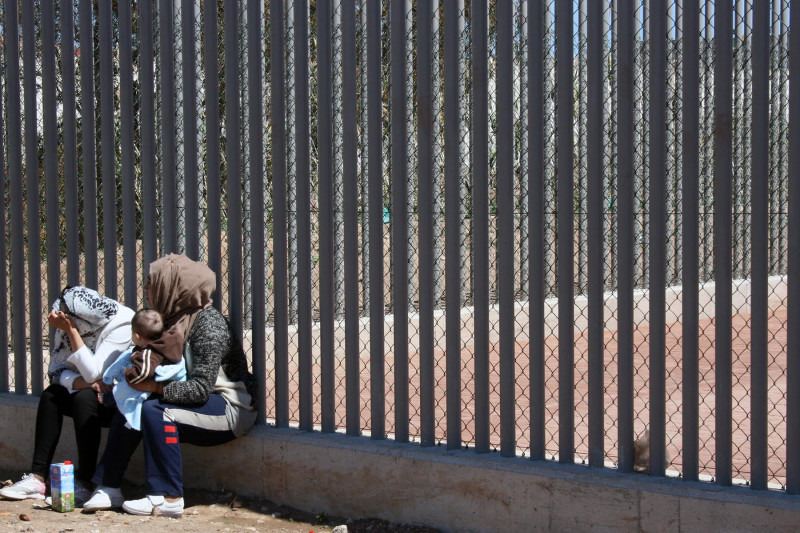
(164, 427)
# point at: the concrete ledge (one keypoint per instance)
(455, 491)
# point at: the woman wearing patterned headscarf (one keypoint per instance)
(213, 406)
(91, 332)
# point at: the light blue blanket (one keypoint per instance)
(129, 400)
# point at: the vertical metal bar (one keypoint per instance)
(147, 133)
(412, 180)
(34, 241)
(303, 206)
(536, 207)
(657, 219)
(690, 242)
(793, 296)
(16, 188)
(480, 215)
(376, 297)
(758, 247)
(233, 153)
(521, 125)
(130, 262)
(463, 152)
(566, 266)
(255, 80)
(168, 145)
(452, 167)
(784, 98)
(438, 150)
(625, 226)
(191, 174)
(722, 240)
(580, 152)
(338, 218)
(350, 208)
(595, 199)
(425, 175)
(213, 181)
(88, 154)
(505, 225)
(69, 141)
(107, 149)
(277, 69)
(362, 150)
(326, 184)
(291, 166)
(50, 134)
(4, 281)
(399, 178)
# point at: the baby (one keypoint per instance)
(143, 361)
(150, 339)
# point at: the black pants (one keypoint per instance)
(89, 416)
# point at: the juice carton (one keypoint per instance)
(62, 486)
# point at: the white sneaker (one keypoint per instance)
(104, 498)
(154, 505)
(27, 488)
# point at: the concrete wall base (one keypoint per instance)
(456, 491)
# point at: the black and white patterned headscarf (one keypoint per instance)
(90, 312)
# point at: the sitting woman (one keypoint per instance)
(213, 406)
(91, 332)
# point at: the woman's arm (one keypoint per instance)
(209, 341)
(114, 340)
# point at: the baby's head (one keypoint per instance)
(147, 325)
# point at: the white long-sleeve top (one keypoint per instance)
(111, 342)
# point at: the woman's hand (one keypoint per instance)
(100, 387)
(59, 320)
(148, 385)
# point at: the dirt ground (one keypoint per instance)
(204, 511)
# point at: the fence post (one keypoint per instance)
(793, 333)
(426, 179)
(213, 181)
(596, 234)
(70, 139)
(34, 236)
(759, 246)
(351, 215)
(657, 227)
(130, 279)
(399, 184)
(479, 16)
(302, 204)
(505, 200)
(257, 252)
(625, 231)
(375, 164)
(452, 170)
(690, 241)
(191, 175)
(536, 223)
(277, 69)
(722, 240)
(566, 225)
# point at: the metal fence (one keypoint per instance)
(384, 190)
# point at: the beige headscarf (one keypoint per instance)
(179, 289)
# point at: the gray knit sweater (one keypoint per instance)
(213, 346)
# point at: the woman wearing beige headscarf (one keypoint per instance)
(213, 405)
